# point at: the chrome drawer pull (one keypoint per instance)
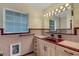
(68, 52)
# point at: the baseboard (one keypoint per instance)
(27, 53)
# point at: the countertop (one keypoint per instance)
(71, 45)
(41, 36)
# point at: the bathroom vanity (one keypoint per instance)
(46, 47)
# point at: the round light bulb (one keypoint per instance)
(64, 9)
(44, 15)
(56, 10)
(67, 5)
(52, 11)
(49, 13)
(61, 7)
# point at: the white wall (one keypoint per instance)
(34, 15)
(26, 41)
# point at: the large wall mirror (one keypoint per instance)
(60, 20)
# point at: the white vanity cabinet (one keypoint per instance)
(53, 50)
(38, 43)
(61, 51)
(44, 48)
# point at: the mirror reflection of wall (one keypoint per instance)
(60, 18)
(63, 19)
(60, 21)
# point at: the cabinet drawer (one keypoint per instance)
(61, 51)
(50, 48)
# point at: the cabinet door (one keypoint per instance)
(53, 49)
(41, 47)
(44, 48)
(61, 51)
(38, 47)
(47, 49)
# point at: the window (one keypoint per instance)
(52, 25)
(15, 21)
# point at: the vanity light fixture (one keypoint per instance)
(52, 12)
(44, 15)
(66, 5)
(61, 7)
(59, 11)
(49, 14)
(69, 7)
(56, 10)
(64, 9)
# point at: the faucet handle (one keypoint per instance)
(59, 36)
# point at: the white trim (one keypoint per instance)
(55, 24)
(19, 49)
(4, 18)
(4, 9)
(15, 10)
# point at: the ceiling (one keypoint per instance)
(39, 6)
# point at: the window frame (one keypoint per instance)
(4, 18)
